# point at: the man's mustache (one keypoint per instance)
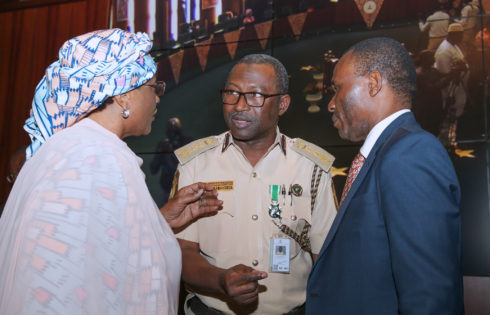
(240, 116)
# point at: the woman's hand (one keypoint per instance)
(191, 202)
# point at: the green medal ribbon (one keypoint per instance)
(274, 208)
(274, 190)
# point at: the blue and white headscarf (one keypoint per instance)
(91, 68)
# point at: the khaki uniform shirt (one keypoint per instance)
(469, 17)
(437, 24)
(241, 232)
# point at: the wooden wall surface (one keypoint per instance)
(31, 39)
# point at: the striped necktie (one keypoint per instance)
(353, 171)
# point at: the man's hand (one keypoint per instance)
(240, 282)
(191, 202)
(458, 67)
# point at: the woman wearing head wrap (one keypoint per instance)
(80, 233)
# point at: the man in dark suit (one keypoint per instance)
(395, 245)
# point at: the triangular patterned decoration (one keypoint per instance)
(202, 50)
(176, 64)
(486, 6)
(231, 40)
(297, 21)
(263, 31)
(369, 10)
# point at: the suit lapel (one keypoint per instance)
(360, 178)
(343, 207)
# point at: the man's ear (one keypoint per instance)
(375, 82)
(284, 104)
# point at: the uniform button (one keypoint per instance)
(255, 262)
(255, 217)
(254, 174)
(293, 217)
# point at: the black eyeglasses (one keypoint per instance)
(253, 99)
(159, 87)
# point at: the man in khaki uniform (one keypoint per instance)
(469, 21)
(436, 24)
(255, 254)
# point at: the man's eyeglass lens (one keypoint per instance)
(253, 99)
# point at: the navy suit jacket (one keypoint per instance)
(395, 245)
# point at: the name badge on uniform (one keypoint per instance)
(222, 185)
(279, 254)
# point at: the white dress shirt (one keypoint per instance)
(446, 55)
(377, 130)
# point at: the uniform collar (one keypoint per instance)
(280, 140)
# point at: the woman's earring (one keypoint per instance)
(125, 113)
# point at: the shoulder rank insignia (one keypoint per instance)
(193, 149)
(313, 152)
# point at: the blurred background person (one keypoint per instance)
(165, 159)
(486, 37)
(451, 62)
(482, 44)
(436, 24)
(455, 7)
(248, 17)
(469, 21)
(80, 232)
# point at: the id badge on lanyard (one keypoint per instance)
(280, 251)
(280, 247)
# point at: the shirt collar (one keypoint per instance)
(377, 130)
(279, 140)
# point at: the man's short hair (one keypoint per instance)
(391, 59)
(282, 80)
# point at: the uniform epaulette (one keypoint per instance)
(193, 149)
(313, 152)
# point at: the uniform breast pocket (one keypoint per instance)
(216, 232)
